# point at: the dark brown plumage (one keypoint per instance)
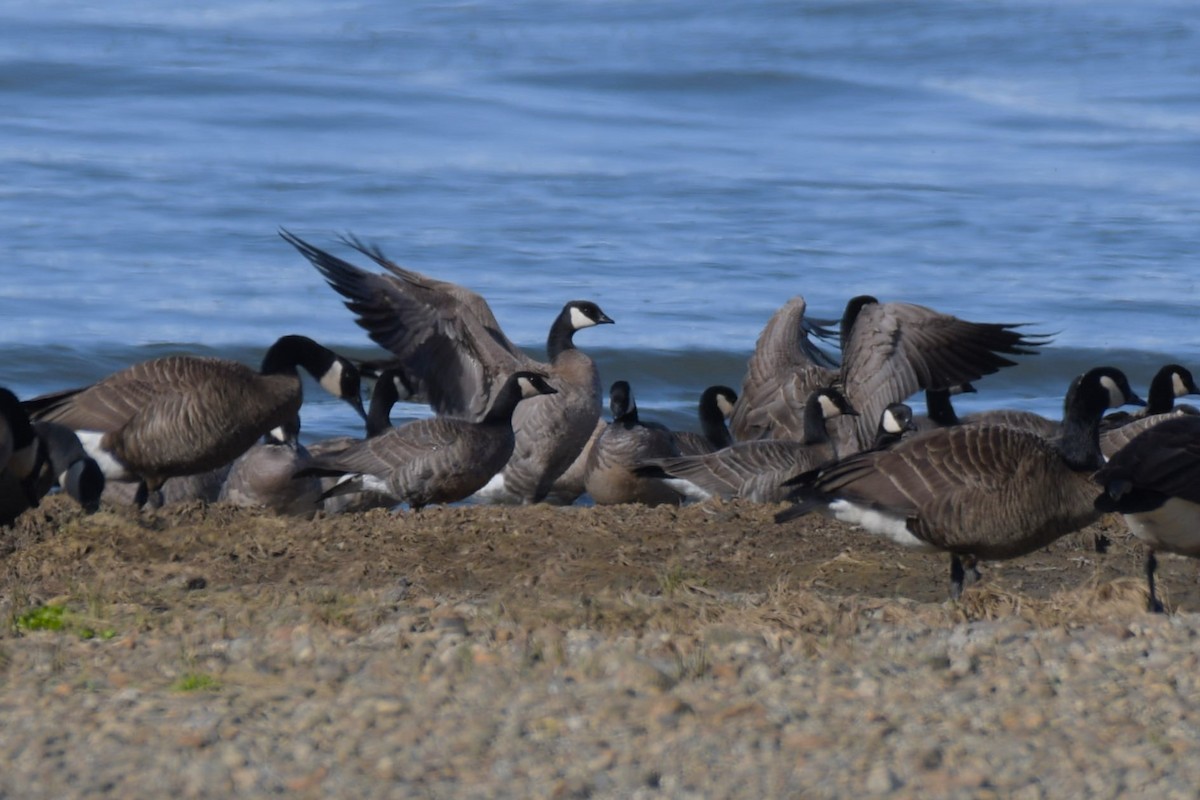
(182, 415)
(447, 340)
(438, 460)
(979, 492)
(1154, 482)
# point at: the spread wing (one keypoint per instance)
(784, 370)
(894, 350)
(444, 336)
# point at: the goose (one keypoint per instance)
(18, 447)
(755, 470)
(182, 415)
(62, 462)
(621, 446)
(448, 340)
(443, 459)
(715, 407)
(264, 475)
(1171, 382)
(977, 492)
(1154, 482)
(889, 352)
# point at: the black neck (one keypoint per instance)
(505, 403)
(1079, 443)
(939, 408)
(815, 431)
(1162, 393)
(383, 397)
(294, 351)
(712, 423)
(562, 335)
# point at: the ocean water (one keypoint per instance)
(687, 165)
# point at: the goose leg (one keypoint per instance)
(971, 564)
(956, 576)
(1151, 566)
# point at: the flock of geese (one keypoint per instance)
(830, 434)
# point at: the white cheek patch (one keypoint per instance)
(527, 387)
(725, 406)
(331, 381)
(402, 391)
(891, 424)
(113, 469)
(1180, 388)
(580, 319)
(881, 523)
(1116, 397)
(829, 409)
(278, 436)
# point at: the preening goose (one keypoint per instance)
(61, 462)
(449, 343)
(979, 491)
(1154, 481)
(182, 415)
(715, 407)
(440, 460)
(889, 352)
(754, 470)
(18, 447)
(621, 446)
(264, 475)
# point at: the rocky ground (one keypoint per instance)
(578, 652)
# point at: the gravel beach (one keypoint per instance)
(579, 652)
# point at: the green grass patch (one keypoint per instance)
(196, 682)
(43, 618)
(59, 618)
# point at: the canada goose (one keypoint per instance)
(979, 491)
(621, 446)
(264, 475)
(889, 352)
(440, 460)
(19, 454)
(62, 462)
(715, 407)
(449, 342)
(181, 415)
(1154, 481)
(755, 470)
(1171, 382)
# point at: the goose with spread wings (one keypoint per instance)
(889, 351)
(447, 340)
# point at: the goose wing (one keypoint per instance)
(1164, 457)
(784, 370)
(894, 350)
(445, 336)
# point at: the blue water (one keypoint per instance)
(689, 166)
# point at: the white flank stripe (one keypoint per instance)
(893, 526)
(112, 469)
